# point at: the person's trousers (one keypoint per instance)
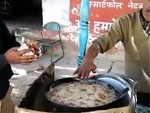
(143, 99)
(6, 104)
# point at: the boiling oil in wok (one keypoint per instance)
(81, 94)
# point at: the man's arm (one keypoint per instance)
(114, 35)
(92, 52)
(102, 44)
(105, 42)
(8, 38)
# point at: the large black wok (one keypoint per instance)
(124, 88)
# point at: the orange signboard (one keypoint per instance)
(103, 12)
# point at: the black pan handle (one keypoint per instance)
(133, 84)
(134, 87)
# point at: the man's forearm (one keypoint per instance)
(92, 52)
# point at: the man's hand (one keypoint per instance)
(17, 57)
(34, 46)
(87, 65)
(85, 68)
(32, 43)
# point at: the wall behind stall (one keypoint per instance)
(102, 14)
(56, 10)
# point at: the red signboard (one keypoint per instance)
(103, 12)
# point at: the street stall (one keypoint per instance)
(38, 98)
